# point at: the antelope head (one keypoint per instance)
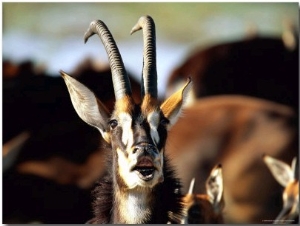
(205, 208)
(286, 176)
(136, 132)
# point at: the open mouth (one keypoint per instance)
(145, 168)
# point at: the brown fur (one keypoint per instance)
(149, 104)
(132, 145)
(167, 195)
(64, 171)
(200, 210)
(125, 104)
(235, 131)
(253, 67)
(174, 103)
(287, 177)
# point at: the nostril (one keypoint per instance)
(151, 148)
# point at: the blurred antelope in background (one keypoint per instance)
(287, 177)
(238, 112)
(235, 130)
(11, 149)
(253, 66)
(205, 208)
(140, 186)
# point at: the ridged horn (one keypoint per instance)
(120, 78)
(149, 77)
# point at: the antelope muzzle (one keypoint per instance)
(147, 161)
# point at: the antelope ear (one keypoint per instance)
(214, 188)
(87, 106)
(172, 106)
(294, 167)
(281, 171)
(191, 188)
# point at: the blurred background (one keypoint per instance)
(51, 34)
(51, 158)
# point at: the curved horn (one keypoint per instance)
(120, 79)
(149, 77)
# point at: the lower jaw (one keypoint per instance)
(146, 178)
(151, 182)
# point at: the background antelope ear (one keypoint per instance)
(214, 188)
(281, 171)
(87, 106)
(172, 106)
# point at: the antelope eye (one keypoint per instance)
(164, 121)
(113, 123)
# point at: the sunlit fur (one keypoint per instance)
(87, 106)
(140, 186)
(205, 208)
(134, 128)
(287, 176)
(200, 210)
(137, 124)
(172, 107)
(168, 199)
(290, 210)
(130, 178)
(136, 134)
(139, 212)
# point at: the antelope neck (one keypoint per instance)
(132, 206)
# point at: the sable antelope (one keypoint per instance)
(205, 208)
(72, 166)
(286, 176)
(140, 186)
(253, 67)
(235, 130)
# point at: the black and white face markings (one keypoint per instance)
(138, 138)
(136, 133)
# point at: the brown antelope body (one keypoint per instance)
(287, 177)
(236, 131)
(254, 67)
(140, 186)
(205, 208)
(59, 166)
(72, 166)
(224, 126)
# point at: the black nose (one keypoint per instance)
(145, 149)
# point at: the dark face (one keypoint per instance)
(138, 135)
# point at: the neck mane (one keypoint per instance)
(160, 204)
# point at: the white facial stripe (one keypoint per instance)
(125, 163)
(124, 166)
(127, 135)
(153, 120)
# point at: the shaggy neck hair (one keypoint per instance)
(167, 205)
